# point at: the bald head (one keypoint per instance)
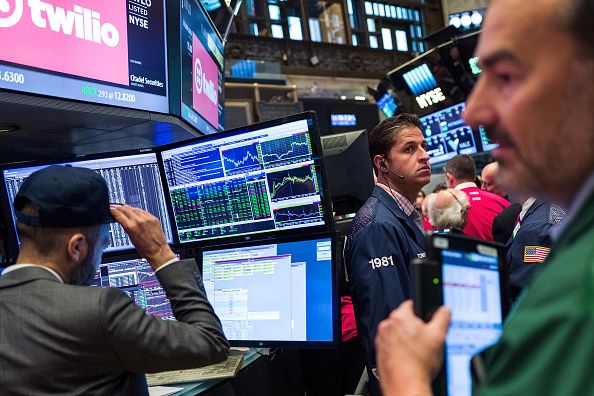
(449, 210)
(489, 179)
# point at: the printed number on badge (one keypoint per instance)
(381, 262)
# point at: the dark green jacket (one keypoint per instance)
(547, 345)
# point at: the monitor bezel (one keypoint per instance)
(336, 324)
(264, 235)
(12, 242)
(469, 244)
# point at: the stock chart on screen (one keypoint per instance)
(248, 181)
(136, 278)
(132, 179)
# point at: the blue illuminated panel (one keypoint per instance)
(249, 182)
(273, 292)
(420, 80)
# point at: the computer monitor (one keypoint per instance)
(108, 52)
(447, 135)
(202, 69)
(275, 294)
(138, 280)
(349, 169)
(132, 179)
(263, 178)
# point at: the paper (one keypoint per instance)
(162, 390)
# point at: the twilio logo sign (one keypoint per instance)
(205, 95)
(203, 84)
(63, 36)
(83, 22)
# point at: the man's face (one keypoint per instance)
(86, 272)
(488, 178)
(408, 158)
(535, 98)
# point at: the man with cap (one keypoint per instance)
(60, 338)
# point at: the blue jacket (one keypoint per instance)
(525, 250)
(382, 241)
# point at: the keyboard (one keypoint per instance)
(226, 369)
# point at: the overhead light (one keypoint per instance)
(8, 127)
(343, 97)
(360, 98)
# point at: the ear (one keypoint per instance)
(77, 247)
(450, 179)
(379, 162)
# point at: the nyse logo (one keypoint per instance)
(203, 84)
(431, 97)
(83, 22)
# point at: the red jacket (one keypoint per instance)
(484, 206)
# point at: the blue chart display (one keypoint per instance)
(292, 183)
(137, 279)
(241, 159)
(287, 150)
(233, 185)
(291, 215)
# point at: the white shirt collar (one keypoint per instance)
(529, 202)
(575, 206)
(465, 185)
(19, 266)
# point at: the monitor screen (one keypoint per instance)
(132, 179)
(471, 289)
(273, 294)
(261, 178)
(447, 135)
(137, 279)
(108, 52)
(202, 69)
(428, 83)
(387, 105)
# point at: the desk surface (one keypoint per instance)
(195, 388)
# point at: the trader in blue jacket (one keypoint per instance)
(386, 234)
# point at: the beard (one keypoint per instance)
(85, 274)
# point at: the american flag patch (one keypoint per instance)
(535, 254)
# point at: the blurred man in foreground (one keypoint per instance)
(536, 99)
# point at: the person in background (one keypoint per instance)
(489, 180)
(535, 98)
(460, 173)
(387, 232)
(449, 211)
(425, 212)
(59, 337)
(530, 242)
(419, 201)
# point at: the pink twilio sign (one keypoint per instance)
(86, 38)
(205, 77)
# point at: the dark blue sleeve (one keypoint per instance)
(379, 277)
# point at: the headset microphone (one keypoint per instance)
(390, 171)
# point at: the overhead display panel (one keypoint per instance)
(202, 69)
(108, 52)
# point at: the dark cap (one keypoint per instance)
(65, 197)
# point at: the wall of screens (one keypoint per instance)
(112, 53)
